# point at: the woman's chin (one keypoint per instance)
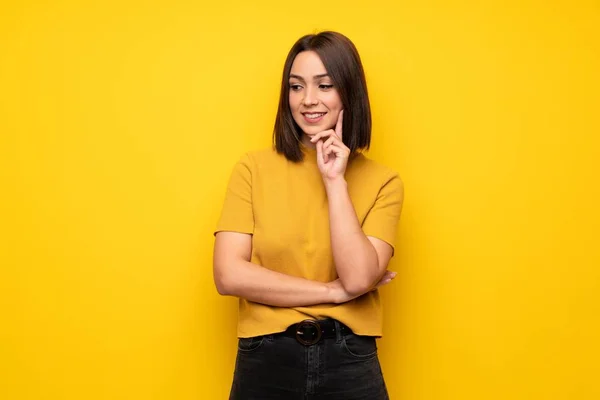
(313, 130)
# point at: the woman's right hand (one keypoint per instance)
(339, 294)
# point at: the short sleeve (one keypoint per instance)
(382, 220)
(237, 214)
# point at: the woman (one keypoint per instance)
(306, 234)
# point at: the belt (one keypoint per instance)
(310, 331)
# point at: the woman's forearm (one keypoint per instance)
(261, 285)
(355, 257)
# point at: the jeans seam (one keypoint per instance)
(358, 356)
(247, 351)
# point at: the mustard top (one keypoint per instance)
(284, 206)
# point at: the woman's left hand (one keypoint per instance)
(332, 153)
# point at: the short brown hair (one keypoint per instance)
(342, 62)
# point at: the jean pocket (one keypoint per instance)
(247, 345)
(361, 347)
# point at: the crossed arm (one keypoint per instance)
(235, 275)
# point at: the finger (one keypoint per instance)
(388, 276)
(332, 139)
(327, 133)
(341, 152)
(320, 152)
(382, 283)
(322, 135)
(326, 153)
(338, 125)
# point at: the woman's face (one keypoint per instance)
(314, 101)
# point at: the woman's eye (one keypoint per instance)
(325, 86)
(295, 87)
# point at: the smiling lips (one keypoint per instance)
(313, 117)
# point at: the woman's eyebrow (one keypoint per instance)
(314, 77)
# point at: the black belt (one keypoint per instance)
(310, 331)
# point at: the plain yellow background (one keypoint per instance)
(119, 125)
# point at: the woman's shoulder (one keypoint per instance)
(375, 176)
(366, 166)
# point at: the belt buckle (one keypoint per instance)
(308, 323)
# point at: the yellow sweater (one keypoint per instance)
(284, 206)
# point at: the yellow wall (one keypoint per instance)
(119, 125)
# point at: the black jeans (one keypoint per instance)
(344, 367)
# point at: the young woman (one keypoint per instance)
(305, 236)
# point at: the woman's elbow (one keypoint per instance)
(222, 282)
(222, 288)
(361, 281)
(357, 287)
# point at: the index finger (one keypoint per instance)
(338, 125)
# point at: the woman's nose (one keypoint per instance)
(310, 98)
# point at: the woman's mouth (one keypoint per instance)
(313, 117)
